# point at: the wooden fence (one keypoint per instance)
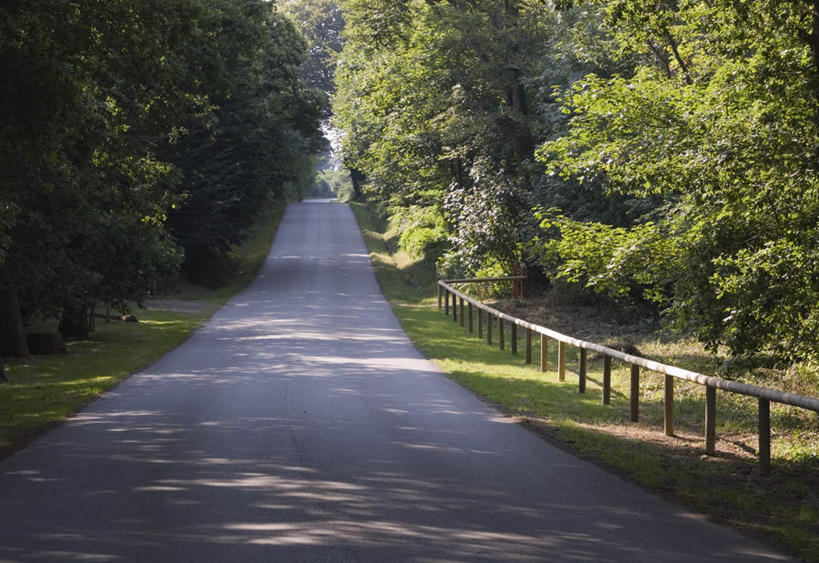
(465, 309)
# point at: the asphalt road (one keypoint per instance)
(300, 424)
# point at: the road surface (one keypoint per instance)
(300, 424)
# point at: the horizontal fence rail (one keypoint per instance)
(478, 280)
(764, 396)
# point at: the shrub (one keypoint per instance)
(421, 230)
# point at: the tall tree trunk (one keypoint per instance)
(357, 177)
(12, 337)
(507, 23)
(74, 323)
(675, 49)
(516, 97)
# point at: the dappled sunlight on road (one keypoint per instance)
(364, 504)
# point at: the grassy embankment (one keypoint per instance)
(783, 508)
(44, 390)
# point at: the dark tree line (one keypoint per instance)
(138, 135)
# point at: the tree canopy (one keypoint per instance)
(660, 152)
(116, 114)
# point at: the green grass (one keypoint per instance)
(408, 280)
(783, 508)
(243, 260)
(44, 390)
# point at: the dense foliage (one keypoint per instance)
(321, 23)
(258, 138)
(112, 114)
(668, 148)
(718, 120)
(432, 102)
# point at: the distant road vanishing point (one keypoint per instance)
(300, 424)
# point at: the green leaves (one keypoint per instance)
(721, 124)
(436, 112)
(617, 263)
(377, 23)
(769, 297)
(421, 230)
(676, 139)
(321, 23)
(255, 141)
(111, 109)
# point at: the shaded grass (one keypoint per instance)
(45, 390)
(783, 509)
(408, 280)
(244, 260)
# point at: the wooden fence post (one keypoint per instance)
(710, 420)
(514, 337)
(668, 404)
(581, 382)
(764, 436)
(764, 407)
(489, 324)
(606, 380)
(561, 361)
(544, 353)
(528, 347)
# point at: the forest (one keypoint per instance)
(139, 139)
(641, 153)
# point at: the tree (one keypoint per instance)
(76, 140)
(720, 122)
(99, 101)
(255, 143)
(681, 136)
(429, 91)
(321, 24)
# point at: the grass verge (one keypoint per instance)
(45, 390)
(783, 508)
